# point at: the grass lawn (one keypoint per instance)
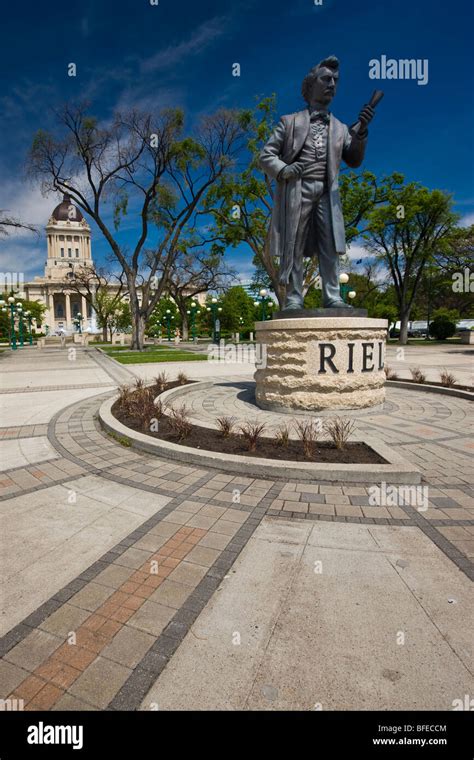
(157, 354)
(424, 342)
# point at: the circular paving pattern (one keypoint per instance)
(207, 519)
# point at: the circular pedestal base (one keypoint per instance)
(319, 364)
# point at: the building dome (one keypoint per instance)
(63, 212)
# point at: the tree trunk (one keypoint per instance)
(403, 339)
(138, 332)
(138, 318)
(184, 325)
(104, 333)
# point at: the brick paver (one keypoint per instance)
(105, 638)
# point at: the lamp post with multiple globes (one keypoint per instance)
(345, 287)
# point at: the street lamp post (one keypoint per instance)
(19, 309)
(346, 292)
(193, 320)
(216, 327)
(168, 323)
(29, 320)
(11, 302)
(263, 301)
(428, 311)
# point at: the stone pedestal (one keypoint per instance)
(317, 364)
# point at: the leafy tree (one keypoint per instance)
(238, 310)
(405, 233)
(36, 309)
(103, 292)
(157, 323)
(193, 273)
(140, 163)
(121, 319)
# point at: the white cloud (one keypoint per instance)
(22, 258)
(25, 202)
(356, 252)
(202, 37)
(467, 220)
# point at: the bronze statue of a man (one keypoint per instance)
(303, 155)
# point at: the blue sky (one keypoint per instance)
(180, 52)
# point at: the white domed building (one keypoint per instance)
(69, 248)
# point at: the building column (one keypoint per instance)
(85, 323)
(68, 312)
(50, 317)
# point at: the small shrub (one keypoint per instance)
(417, 375)
(180, 424)
(145, 409)
(125, 395)
(340, 430)
(139, 384)
(390, 374)
(252, 432)
(159, 409)
(308, 432)
(282, 436)
(182, 379)
(447, 379)
(225, 425)
(161, 381)
(441, 328)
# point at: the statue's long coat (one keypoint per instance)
(283, 148)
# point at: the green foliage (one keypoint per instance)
(37, 313)
(444, 313)
(120, 207)
(236, 305)
(313, 298)
(121, 318)
(385, 311)
(157, 323)
(110, 309)
(240, 203)
(442, 327)
(406, 232)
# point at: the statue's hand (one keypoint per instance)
(366, 115)
(291, 171)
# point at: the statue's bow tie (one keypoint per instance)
(323, 115)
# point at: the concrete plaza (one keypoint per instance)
(130, 582)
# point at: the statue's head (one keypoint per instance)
(320, 84)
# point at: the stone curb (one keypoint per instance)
(427, 388)
(398, 470)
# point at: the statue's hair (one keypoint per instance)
(328, 63)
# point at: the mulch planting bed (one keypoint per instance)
(455, 387)
(209, 439)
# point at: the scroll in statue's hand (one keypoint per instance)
(366, 115)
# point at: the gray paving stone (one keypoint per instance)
(100, 682)
(33, 649)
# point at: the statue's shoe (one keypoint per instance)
(293, 305)
(338, 305)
